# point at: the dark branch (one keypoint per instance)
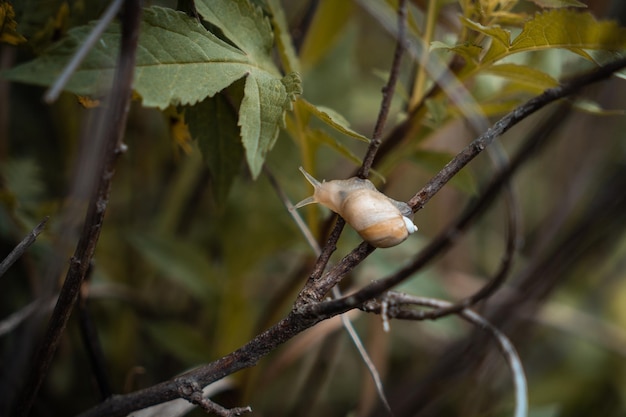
(388, 92)
(21, 247)
(308, 315)
(115, 122)
(446, 239)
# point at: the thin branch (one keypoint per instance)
(52, 94)
(21, 247)
(301, 319)
(114, 120)
(193, 393)
(345, 321)
(388, 92)
(308, 293)
(542, 133)
(395, 302)
(417, 202)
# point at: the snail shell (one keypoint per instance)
(378, 219)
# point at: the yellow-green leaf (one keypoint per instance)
(563, 28)
(523, 74)
(333, 119)
(469, 51)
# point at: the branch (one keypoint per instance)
(417, 202)
(395, 301)
(309, 293)
(307, 316)
(114, 120)
(388, 92)
(21, 247)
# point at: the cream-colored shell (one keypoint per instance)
(377, 218)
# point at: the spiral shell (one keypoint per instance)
(378, 219)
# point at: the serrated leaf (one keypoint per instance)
(562, 28)
(333, 119)
(213, 123)
(245, 25)
(177, 261)
(180, 62)
(558, 3)
(524, 75)
(260, 115)
(501, 38)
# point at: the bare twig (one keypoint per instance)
(21, 247)
(345, 321)
(397, 300)
(305, 317)
(193, 393)
(115, 121)
(55, 89)
(417, 202)
(307, 294)
(542, 133)
(388, 91)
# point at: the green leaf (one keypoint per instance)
(558, 3)
(177, 261)
(523, 74)
(213, 123)
(245, 25)
(333, 119)
(179, 63)
(563, 28)
(501, 38)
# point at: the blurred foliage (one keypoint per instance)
(196, 257)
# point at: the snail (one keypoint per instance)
(379, 220)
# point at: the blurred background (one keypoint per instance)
(183, 275)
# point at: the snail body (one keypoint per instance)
(378, 219)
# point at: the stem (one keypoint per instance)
(114, 119)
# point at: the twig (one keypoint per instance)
(388, 92)
(396, 300)
(21, 247)
(115, 121)
(55, 89)
(345, 321)
(308, 294)
(301, 319)
(542, 133)
(433, 186)
(193, 393)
